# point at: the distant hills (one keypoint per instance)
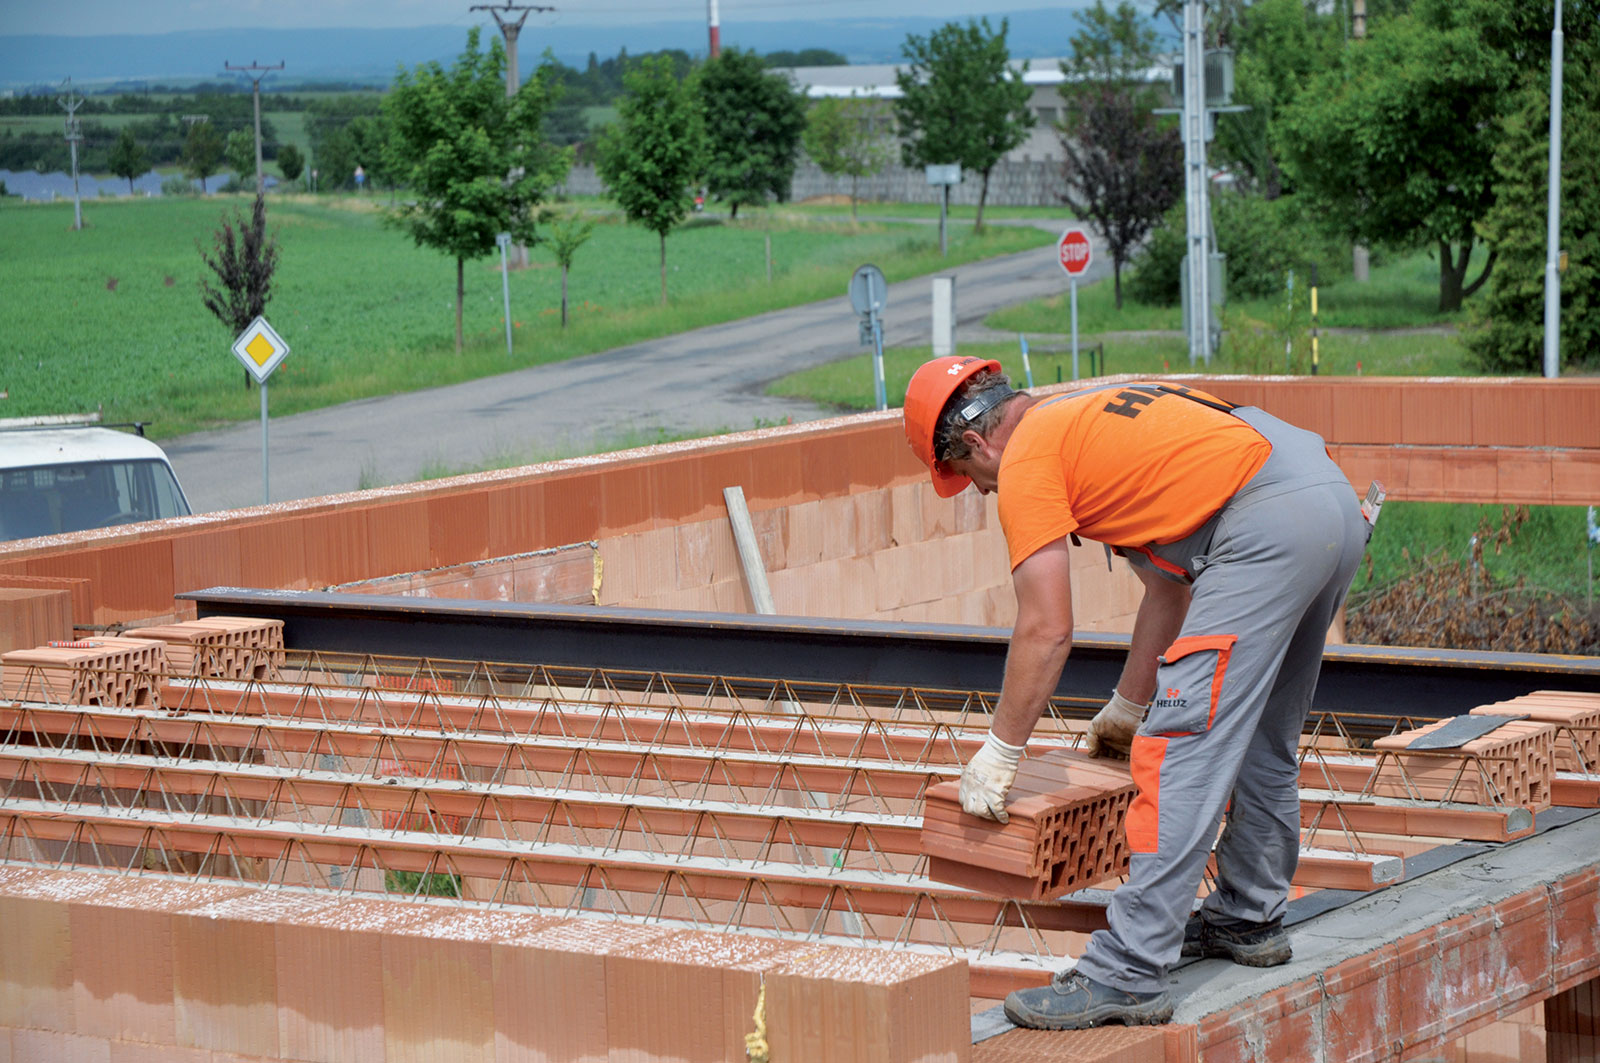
(371, 55)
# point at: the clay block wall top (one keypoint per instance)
(135, 571)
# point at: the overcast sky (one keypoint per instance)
(166, 16)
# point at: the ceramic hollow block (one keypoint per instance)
(1575, 715)
(1512, 765)
(1065, 830)
(116, 672)
(221, 647)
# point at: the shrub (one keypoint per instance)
(177, 186)
(1263, 239)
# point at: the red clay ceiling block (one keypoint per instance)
(1574, 714)
(117, 672)
(1065, 830)
(1512, 765)
(869, 1006)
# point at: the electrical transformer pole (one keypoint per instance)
(257, 72)
(74, 138)
(1197, 204)
(511, 29)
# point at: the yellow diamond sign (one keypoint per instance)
(260, 349)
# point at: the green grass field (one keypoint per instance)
(368, 313)
(1403, 293)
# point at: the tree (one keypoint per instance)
(566, 236)
(961, 102)
(477, 162)
(842, 138)
(806, 57)
(1111, 48)
(243, 262)
(127, 158)
(290, 162)
(1396, 142)
(240, 151)
(753, 121)
(202, 152)
(655, 151)
(1507, 329)
(1123, 171)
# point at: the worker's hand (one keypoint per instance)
(988, 777)
(1111, 731)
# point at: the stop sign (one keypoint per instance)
(1075, 252)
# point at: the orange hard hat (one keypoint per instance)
(931, 387)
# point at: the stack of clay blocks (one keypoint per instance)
(100, 671)
(146, 967)
(1511, 765)
(221, 647)
(1575, 715)
(1065, 830)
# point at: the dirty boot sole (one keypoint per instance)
(1151, 1013)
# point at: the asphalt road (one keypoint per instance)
(708, 379)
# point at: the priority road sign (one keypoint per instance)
(1075, 252)
(260, 349)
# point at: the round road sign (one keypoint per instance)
(868, 290)
(1075, 252)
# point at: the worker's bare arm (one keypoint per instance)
(1160, 618)
(1040, 641)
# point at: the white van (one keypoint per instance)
(56, 480)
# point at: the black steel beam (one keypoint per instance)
(1383, 680)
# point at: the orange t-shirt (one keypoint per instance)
(1125, 465)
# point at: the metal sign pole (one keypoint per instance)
(944, 211)
(266, 494)
(880, 388)
(1073, 284)
(505, 285)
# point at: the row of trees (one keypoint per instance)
(1430, 132)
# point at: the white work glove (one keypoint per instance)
(1111, 730)
(988, 777)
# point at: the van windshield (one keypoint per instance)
(52, 499)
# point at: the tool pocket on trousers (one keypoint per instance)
(1189, 685)
(1143, 824)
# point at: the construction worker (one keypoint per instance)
(1245, 535)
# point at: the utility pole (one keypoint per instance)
(74, 136)
(1552, 278)
(714, 23)
(256, 72)
(1360, 258)
(510, 29)
(1197, 202)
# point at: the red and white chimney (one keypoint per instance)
(715, 22)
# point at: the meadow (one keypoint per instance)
(110, 318)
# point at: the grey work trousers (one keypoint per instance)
(1232, 694)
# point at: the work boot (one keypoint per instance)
(1074, 1001)
(1250, 944)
